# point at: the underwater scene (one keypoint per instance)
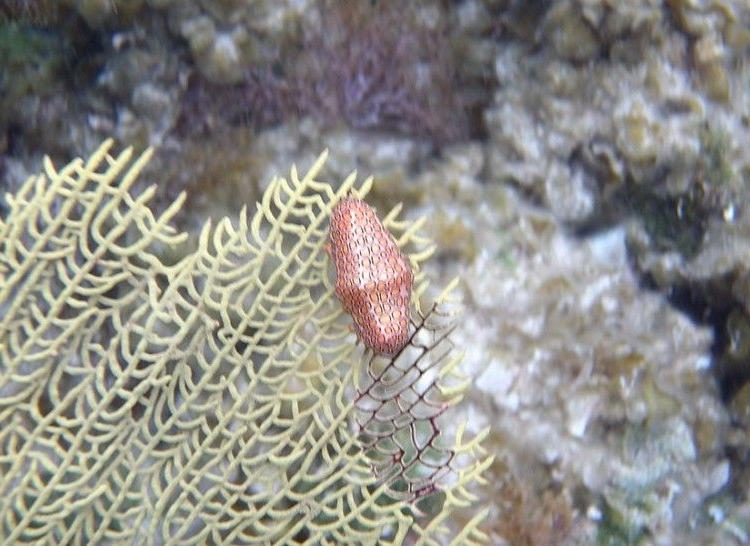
(375, 272)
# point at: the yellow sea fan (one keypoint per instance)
(219, 399)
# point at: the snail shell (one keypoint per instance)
(373, 277)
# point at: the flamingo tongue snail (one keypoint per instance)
(373, 277)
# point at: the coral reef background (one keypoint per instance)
(584, 165)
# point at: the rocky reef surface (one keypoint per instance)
(584, 166)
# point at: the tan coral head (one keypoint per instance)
(373, 277)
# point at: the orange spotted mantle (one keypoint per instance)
(373, 277)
